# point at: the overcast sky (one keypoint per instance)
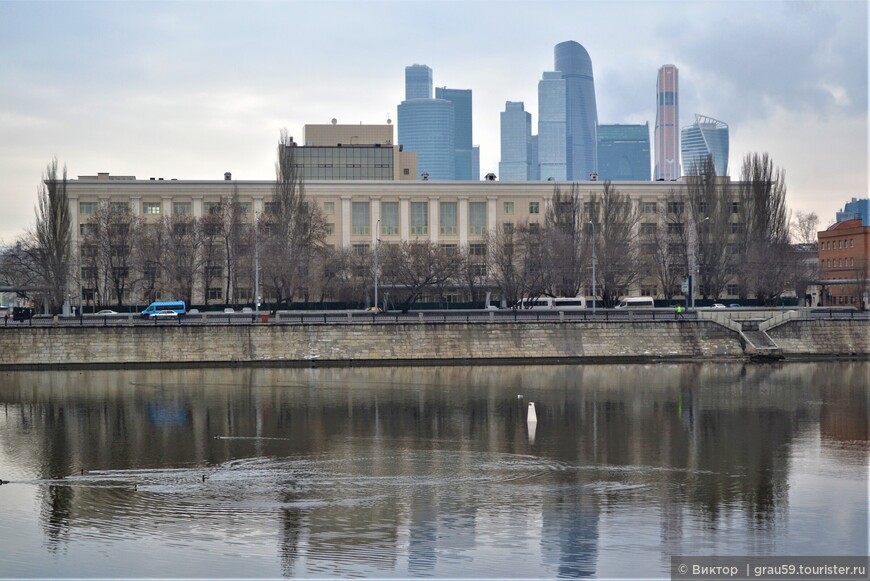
(190, 90)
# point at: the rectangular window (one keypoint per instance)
(648, 207)
(214, 271)
(328, 208)
(675, 228)
(648, 291)
(87, 208)
(87, 229)
(119, 207)
(182, 208)
(246, 208)
(478, 269)
(215, 293)
(508, 208)
(447, 218)
(419, 218)
(389, 218)
(732, 289)
(151, 208)
(508, 227)
(676, 207)
(270, 207)
(360, 218)
(330, 229)
(449, 249)
(476, 218)
(648, 228)
(735, 207)
(212, 207)
(360, 249)
(534, 208)
(534, 228)
(477, 249)
(736, 227)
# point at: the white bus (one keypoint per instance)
(553, 303)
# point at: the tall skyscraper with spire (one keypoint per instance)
(667, 138)
(575, 66)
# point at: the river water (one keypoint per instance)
(429, 472)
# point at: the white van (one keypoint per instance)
(636, 303)
(554, 303)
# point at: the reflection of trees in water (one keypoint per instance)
(721, 431)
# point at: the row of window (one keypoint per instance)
(838, 244)
(838, 263)
(448, 218)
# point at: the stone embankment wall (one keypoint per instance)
(822, 338)
(386, 344)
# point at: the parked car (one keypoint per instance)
(719, 306)
(106, 312)
(22, 313)
(165, 314)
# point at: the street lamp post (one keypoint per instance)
(377, 241)
(257, 266)
(594, 290)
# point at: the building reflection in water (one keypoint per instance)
(358, 470)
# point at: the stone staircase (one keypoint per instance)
(758, 342)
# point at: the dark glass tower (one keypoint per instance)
(461, 99)
(573, 62)
(623, 152)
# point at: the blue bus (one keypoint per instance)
(178, 306)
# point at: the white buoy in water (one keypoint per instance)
(532, 417)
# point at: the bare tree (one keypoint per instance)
(805, 228)
(295, 230)
(616, 222)
(710, 211)
(568, 256)
(182, 265)
(149, 252)
(765, 224)
(861, 282)
(50, 246)
(107, 251)
(663, 252)
(212, 253)
(473, 276)
(410, 268)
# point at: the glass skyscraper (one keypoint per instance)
(462, 133)
(516, 146)
(427, 126)
(705, 137)
(667, 124)
(623, 152)
(575, 66)
(553, 150)
(418, 82)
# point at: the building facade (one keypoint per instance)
(516, 143)
(360, 214)
(623, 152)
(575, 66)
(667, 139)
(844, 257)
(705, 137)
(353, 152)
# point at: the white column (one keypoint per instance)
(74, 218)
(346, 220)
(197, 206)
(135, 205)
(434, 221)
(167, 205)
(463, 221)
(491, 207)
(405, 218)
(375, 216)
(258, 205)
